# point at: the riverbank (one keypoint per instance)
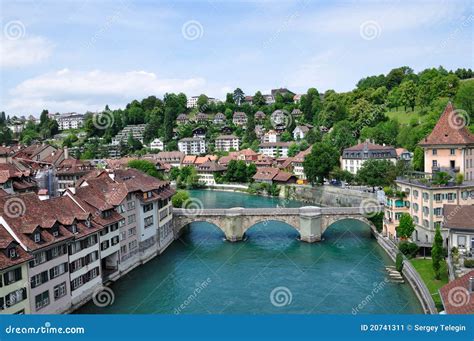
(410, 273)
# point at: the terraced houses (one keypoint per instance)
(56, 253)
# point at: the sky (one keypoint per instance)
(75, 56)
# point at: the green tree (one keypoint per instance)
(408, 94)
(465, 98)
(146, 167)
(258, 99)
(406, 226)
(202, 102)
(319, 163)
(377, 173)
(293, 149)
(418, 159)
(437, 253)
(238, 96)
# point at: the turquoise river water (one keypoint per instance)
(271, 272)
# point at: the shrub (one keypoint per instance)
(468, 263)
(408, 249)
(399, 262)
(179, 198)
(459, 179)
(377, 220)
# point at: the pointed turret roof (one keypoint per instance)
(450, 130)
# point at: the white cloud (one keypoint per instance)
(24, 52)
(67, 90)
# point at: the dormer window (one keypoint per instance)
(37, 237)
(74, 228)
(55, 232)
(88, 222)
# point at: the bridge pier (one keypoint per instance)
(310, 225)
(233, 226)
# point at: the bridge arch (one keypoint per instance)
(327, 221)
(291, 223)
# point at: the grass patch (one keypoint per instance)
(404, 117)
(425, 269)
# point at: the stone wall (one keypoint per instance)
(327, 195)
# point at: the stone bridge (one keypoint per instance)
(310, 221)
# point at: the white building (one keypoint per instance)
(136, 131)
(227, 143)
(354, 157)
(70, 121)
(270, 136)
(157, 144)
(274, 149)
(192, 101)
(239, 118)
(192, 146)
(300, 131)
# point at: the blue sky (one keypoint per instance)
(80, 55)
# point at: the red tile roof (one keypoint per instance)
(457, 297)
(450, 130)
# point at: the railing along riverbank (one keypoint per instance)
(410, 273)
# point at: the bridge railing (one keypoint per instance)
(279, 211)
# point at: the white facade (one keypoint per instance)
(227, 143)
(271, 137)
(192, 146)
(70, 121)
(157, 144)
(278, 149)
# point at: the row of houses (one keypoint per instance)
(55, 253)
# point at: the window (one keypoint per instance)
(59, 290)
(132, 231)
(12, 276)
(42, 300)
(39, 258)
(452, 151)
(148, 221)
(435, 163)
(58, 270)
(132, 245)
(131, 205)
(104, 245)
(36, 237)
(114, 227)
(451, 196)
(415, 193)
(39, 279)
(123, 249)
(74, 228)
(426, 196)
(426, 210)
(120, 208)
(121, 223)
(438, 211)
(435, 152)
(415, 207)
(123, 235)
(88, 222)
(131, 218)
(15, 297)
(462, 241)
(114, 240)
(12, 253)
(147, 207)
(426, 223)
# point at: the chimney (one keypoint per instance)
(66, 153)
(471, 284)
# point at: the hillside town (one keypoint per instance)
(70, 226)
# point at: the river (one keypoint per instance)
(271, 272)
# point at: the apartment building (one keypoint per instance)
(174, 159)
(239, 118)
(354, 157)
(157, 144)
(207, 170)
(136, 131)
(70, 121)
(13, 275)
(270, 136)
(447, 148)
(274, 149)
(227, 143)
(192, 146)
